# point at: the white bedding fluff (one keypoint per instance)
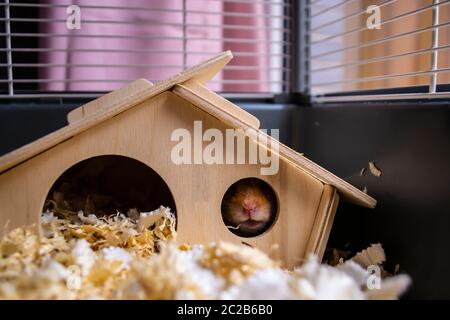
(123, 258)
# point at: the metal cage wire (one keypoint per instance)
(319, 48)
(117, 44)
(351, 60)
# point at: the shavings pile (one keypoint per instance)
(136, 257)
(81, 257)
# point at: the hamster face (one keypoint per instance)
(248, 207)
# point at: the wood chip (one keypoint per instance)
(373, 255)
(374, 170)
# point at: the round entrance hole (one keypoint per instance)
(249, 207)
(108, 184)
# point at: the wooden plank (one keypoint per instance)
(349, 192)
(323, 221)
(107, 100)
(221, 103)
(200, 72)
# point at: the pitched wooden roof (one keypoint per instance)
(201, 73)
(188, 85)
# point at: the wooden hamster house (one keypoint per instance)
(136, 122)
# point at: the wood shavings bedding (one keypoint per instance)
(137, 257)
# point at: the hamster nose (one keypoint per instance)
(249, 205)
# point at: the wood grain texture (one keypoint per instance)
(201, 72)
(144, 133)
(222, 104)
(107, 100)
(137, 121)
(323, 221)
(205, 98)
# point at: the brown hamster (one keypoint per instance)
(249, 207)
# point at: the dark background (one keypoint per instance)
(410, 143)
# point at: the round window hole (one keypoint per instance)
(105, 185)
(249, 207)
